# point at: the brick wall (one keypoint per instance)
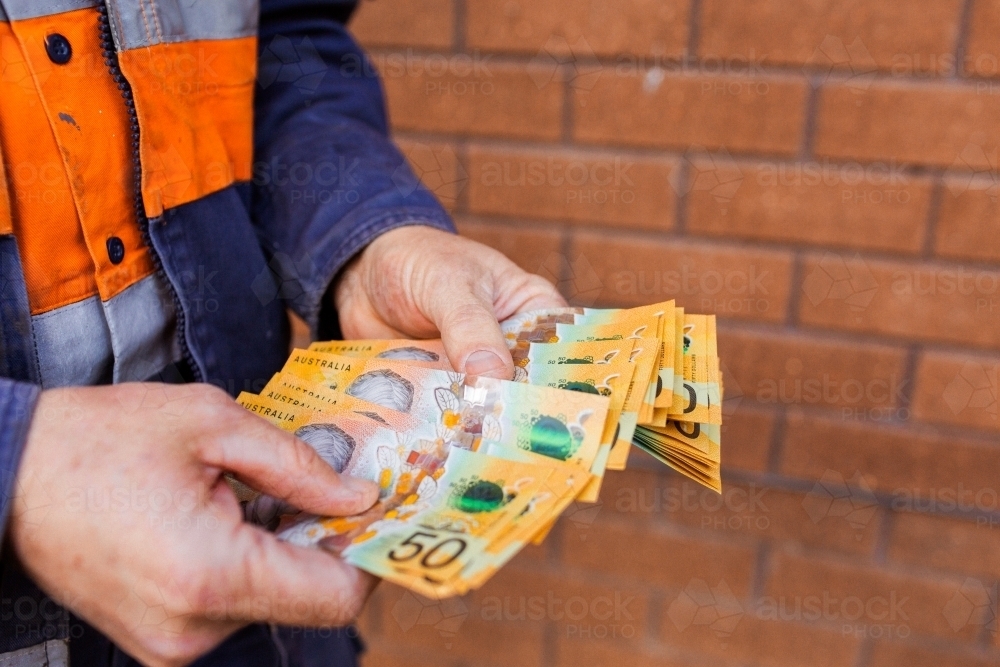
(822, 175)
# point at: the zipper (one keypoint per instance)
(110, 52)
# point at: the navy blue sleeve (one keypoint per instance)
(17, 405)
(327, 179)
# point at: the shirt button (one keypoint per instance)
(116, 250)
(58, 48)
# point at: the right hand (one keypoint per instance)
(122, 514)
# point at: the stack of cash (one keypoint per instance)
(471, 469)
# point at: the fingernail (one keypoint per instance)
(484, 362)
(365, 490)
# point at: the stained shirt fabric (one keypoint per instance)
(99, 312)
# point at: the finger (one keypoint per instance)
(289, 585)
(520, 292)
(279, 464)
(470, 332)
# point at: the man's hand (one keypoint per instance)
(122, 514)
(421, 282)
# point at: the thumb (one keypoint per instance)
(471, 334)
(289, 585)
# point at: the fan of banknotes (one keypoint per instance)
(471, 469)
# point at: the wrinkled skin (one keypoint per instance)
(417, 282)
(121, 512)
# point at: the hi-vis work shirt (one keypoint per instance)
(160, 201)
(71, 146)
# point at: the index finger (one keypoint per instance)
(279, 464)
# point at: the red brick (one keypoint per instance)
(574, 651)
(817, 202)
(427, 24)
(747, 434)
(968, 547)
(957, 389)
(885, 654)
(529, 247)
(459, 95)
(759, 114)
(939, 124)
(612, 189)
(532, 555)
(876, 34)
(581, 29)
(795, 370)
(635, 494)
(379, 654)
(758, 642)
(909, 464)
(637, 553)
(570, 603)
(438, 167)
(474, 639)
(983, 51)
(919, 603)
(969, 222)
(704, 278)
(759, 512)
(924, 302)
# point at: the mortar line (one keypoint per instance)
(880, 550)
(962, 39)
(567, 119)
(773, 245)
(749, 159)
(918, 429)
(933, 215)
(884, 499)
(795, 291)
(549, 644)
(566, 248)
(676, 64)
(694, 30)
(458, 30)
(776, 448)
(909, 378)
(462, 197)
(760, 570)
(683, 178)
(810, 120)
(864, 655)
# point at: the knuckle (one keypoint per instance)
(199, 590)
(212, 398)
(465, 315)
(298, 455)
(356, 591)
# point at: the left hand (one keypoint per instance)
(419, 282)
